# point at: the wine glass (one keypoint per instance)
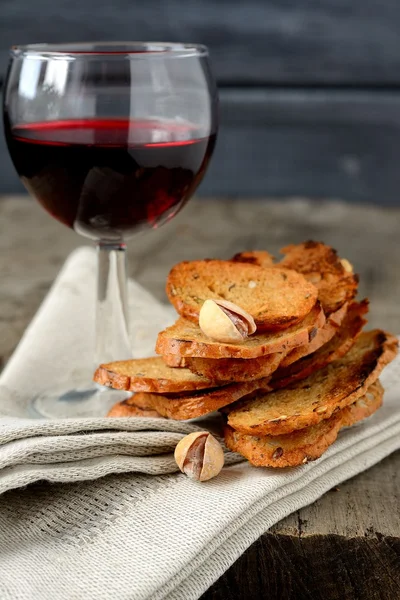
(109, 138)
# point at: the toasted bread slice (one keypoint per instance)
(184, 338)
(276, 298)
(235, 369)
(315, 398)
(306, 444)
(149, 375)
(127, 408)
(323, 335)
(337, 347)
(255, 257)
(195, 404)
(320, 264)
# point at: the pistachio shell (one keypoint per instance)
(215, 322)
(183, 447)
(213, 459)
(237, 310)
(199, 455)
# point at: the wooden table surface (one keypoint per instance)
(347, 544)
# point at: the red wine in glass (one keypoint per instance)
(109, 137)
(106, 178)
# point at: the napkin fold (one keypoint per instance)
(131, 535)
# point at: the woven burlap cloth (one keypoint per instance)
(106, 515)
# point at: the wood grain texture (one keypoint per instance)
(345, 546)
(309, 142)
(366, 506)
(331, 567)
(346, 543)
(254, 42)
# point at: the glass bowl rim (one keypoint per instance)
(110, 49)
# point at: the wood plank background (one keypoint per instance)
(310, 90)
(254, 42)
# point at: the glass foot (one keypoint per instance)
(82, 401)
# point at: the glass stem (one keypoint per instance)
(112, 331)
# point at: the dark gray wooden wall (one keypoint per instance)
(310, 89)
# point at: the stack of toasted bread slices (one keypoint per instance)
(287, 388)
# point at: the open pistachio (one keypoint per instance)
(226, 322)
(199, 455)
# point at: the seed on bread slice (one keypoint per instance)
(127, 408)
(306, 444)
(255, 257)
(337, 347)
(184, 339)
(148, 375)
(275, 298)
(320, 264)
(315, 398)
(196, 404)
(324, 334)
(235, 369)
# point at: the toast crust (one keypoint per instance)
(235, 369)
(306, 444)
(185, 339)
(324, 334)
(262, 258)
(276, 298)
(336, 348)
(321, 265)
(317, 397)
(148, 375)
(197, 404)
(127, 408)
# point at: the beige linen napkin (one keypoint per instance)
(131, 535)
